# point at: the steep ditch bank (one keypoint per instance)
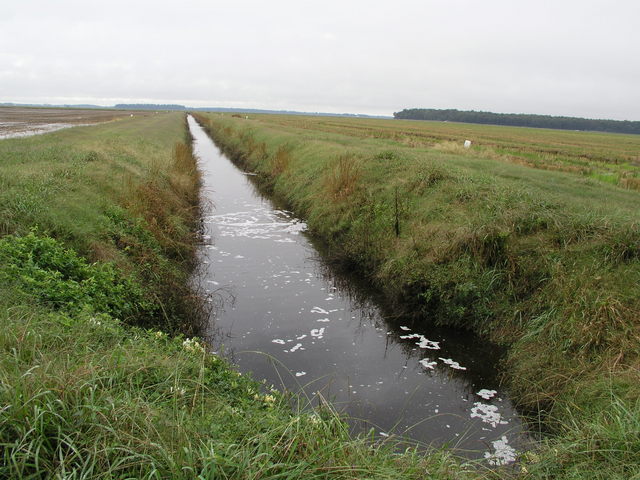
(503, 250)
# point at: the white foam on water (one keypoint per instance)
(453, 364)
(317, 332)
(323, 320)
(258, 223)
(423, 343)
(319, 310)
(296, 227)
(427, 364)
(278, 341)
(503, 453)
(429, 344)
(295, 347)
(488, 414)
(487, 394)
(411, 335)
(301, 336)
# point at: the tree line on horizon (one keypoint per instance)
(520, 120)
(148, 106)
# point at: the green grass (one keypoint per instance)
(96, 248)
(543, 259)
(123, 192)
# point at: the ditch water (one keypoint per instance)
(289, 318)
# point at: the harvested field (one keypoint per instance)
(604, 157)
(25, 121)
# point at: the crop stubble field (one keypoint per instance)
(21, 121)
(614, 158)
(531, 237)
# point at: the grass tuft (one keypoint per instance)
(342, 178)
(280, 160)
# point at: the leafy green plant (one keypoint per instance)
(59, 277)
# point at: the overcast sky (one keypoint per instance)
(579, 58)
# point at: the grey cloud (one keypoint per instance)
(570, 57)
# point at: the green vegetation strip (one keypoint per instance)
(543, 260)
(96, 379)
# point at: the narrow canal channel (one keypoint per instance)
(287, 318)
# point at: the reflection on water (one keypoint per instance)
(301, 326)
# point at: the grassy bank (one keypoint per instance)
(125, 193)
(535, 255)
(96, 378)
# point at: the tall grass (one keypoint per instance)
(342, 177)
(280, 160)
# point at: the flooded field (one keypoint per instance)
(286, 316)
(22, 121)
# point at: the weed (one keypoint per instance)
(488, 245)
(387, 155)
(631, 183)
(428, 177)
(342, 177)
(280, 160)
(61, 279)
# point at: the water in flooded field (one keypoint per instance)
(26, 129)
(288, 318)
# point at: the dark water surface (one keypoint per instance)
(288, 318)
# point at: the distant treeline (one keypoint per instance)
(520, 120)
(153, 106)
(148, 106)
